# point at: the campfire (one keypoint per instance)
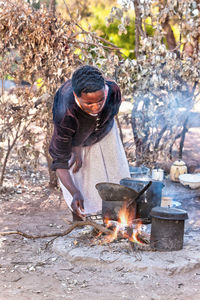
(125, 228)
(119, 213)
(121, 206)
(119, 221)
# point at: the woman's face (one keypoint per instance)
(93, 103)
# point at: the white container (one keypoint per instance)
(166, 202)
(191, 180)
(157, 174)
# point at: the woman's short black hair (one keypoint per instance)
(87, 79)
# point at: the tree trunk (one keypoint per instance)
(52, 6)
(52, 175)
(10, 147)
(183, 133)
(138, 27)
(171, 42)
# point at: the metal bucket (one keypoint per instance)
(151, 198)
(139, 172)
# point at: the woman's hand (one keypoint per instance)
(76, 159)
(77, 204)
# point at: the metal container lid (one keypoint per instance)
(142, 181)
(168, 213)
(179, 162)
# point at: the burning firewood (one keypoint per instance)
(113, 231)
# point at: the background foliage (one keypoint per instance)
(151, 48)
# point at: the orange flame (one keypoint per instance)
(135, 235)
(125, 218)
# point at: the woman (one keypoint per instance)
(85, 146)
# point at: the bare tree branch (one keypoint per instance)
(58, 234)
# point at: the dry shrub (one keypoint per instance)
(33, 45)
(42, 49)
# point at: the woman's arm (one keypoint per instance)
(78, 201)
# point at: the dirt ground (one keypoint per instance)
(30, 269)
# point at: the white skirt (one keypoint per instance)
(104, 161)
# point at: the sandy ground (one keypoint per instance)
(32, 269)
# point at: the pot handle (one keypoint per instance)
(139, 194)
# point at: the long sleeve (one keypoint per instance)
(61, 143)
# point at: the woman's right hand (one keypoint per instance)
(77, 204)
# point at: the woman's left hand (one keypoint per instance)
(76, 159)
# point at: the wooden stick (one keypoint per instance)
(58, 234)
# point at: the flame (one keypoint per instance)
(110, 238)
(135, 235)
(125, 218)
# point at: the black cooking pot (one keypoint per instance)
(167, 230)
(114, 197)
(151, 198)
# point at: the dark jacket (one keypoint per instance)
(74, 127)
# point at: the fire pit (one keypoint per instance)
(124, 229)
(120, 247)
(119, 214)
